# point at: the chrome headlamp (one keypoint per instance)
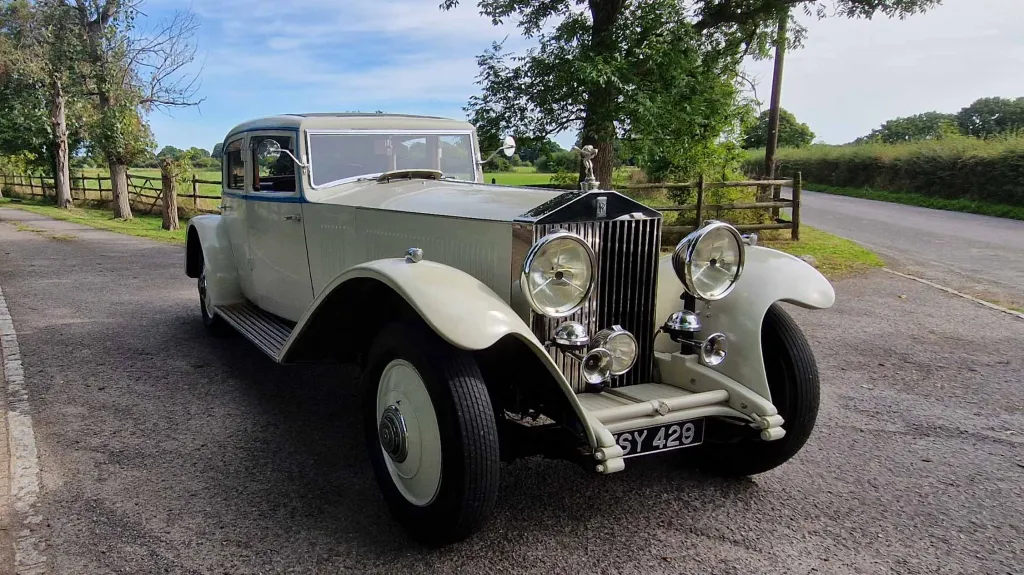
(558, 274)
(621, 345)
(709, 261)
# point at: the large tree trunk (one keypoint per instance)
(119, 185)
(169, 194)
(58, 121)
(599, 123)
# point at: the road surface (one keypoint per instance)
(979, 255)
(164, 450)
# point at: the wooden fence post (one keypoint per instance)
(798, 186)
(700, 201)
(169, 193)
(195, 193)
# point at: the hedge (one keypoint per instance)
(955, 168)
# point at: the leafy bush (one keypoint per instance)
(498, 163)
(560, 161)
(989, 170)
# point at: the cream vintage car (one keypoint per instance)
(497, 322)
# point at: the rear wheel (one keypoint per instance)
(795, 389)
(431, 434)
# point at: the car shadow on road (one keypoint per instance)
(312, 452)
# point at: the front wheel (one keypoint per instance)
(431, 434)
(795, 389)
(213, 322)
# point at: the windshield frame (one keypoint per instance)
(474, 154)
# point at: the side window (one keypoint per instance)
(273, 174)
(234, 170)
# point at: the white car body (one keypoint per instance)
(302, 271)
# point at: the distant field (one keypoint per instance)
(518, 178)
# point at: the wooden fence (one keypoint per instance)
(138, 185)
(766, 189)
(143, 191)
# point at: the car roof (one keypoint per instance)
(351, 121)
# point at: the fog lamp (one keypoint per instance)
(622, 346)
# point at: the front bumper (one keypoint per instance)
(688, 390)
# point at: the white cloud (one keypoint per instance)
(852, 75)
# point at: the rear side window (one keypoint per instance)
(234, 170)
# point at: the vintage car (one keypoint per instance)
(495, 322)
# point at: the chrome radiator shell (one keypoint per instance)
(627, 251)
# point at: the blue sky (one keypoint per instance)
(262, 57)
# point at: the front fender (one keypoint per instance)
(457, 306)
(768, 276)
(207, 243)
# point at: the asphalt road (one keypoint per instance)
(979, 255)
(164, 450)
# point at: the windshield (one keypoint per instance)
(343, 156)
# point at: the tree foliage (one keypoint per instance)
(992, 116)
(37, 49)
(927, 126)
(792, 133)
(660, 74)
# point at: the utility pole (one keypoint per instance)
(773, 114)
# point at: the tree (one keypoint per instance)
(170, 152)
(40, 53)
(532, 149)
(133, 72)
(992, 116)
(792, 134)
(611, 68)
(217, 150)
(927, 126)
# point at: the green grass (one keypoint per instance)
(518, 178)
(837, 257)
(141, 226)
(911, 199)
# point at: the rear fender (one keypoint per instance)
(206, 243)
(458, 307)
(768, 276)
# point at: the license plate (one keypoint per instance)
(661, 437)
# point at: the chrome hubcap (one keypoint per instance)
(394, 435)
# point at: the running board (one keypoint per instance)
(264, 329)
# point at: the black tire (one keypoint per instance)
(213, 322)
(470, 462)
(796, 393)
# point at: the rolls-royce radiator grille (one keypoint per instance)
(627, 267)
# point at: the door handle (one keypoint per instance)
(293, 218)
(224, 207)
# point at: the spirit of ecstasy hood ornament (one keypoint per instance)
(587, 154)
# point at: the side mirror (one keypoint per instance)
(508, 147)
(268, 150)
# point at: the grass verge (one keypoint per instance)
(836, 257)
(920, 200)
(141, 226)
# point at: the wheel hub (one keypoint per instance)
(394, 435)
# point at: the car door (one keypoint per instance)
(232, 209)
(277, 241)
